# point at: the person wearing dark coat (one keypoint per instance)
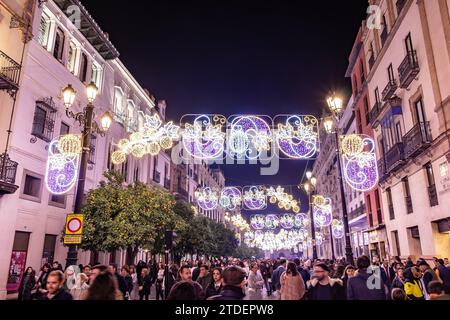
(145, 284)
(55, 288)
(387, 273)
(234, 284)
(215, 286)
(120, 280)
(444, 274)
(196, 272)
(322, 287)
(27, 284)
(276, 276)
(359, 287)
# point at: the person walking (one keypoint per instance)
(358, 287)
(349, 273)
(134, 278)
(104, 288)
(42, 281)
(399, 280)
(428, 274)
(234, 284)
(216, 286)
(276, 276)
(185, 274)
(145, 284)
(55, 288)
(306, 276)
(255, 283)
(112, 268)
(183, 291)
(444, 274)
(159, 284)
(27, 284)
(413, 286)
(292, 284)
(125, 273)
(205, 277)
(322, 287)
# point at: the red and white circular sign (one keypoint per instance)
(74, 225)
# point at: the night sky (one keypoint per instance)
(236, 57)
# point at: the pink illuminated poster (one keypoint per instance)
(16, 270)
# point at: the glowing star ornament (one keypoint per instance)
(298, 137)
(337, 228)
(231, 198)
(359, 163)
(62, 164)
(204, 139)
(322, 212)
(207, 199)
(249, 137)
(254, 198)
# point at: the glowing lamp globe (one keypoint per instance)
(68, 96)
(91, 92)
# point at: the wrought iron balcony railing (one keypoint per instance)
(395, 157)
(8, 171)
(390, 89)
(408, 69)
(9, 73)
(417, 139)
(382, 169)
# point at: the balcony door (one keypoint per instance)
(419, 112)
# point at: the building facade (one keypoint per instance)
(370, 238)
(46, 49)
(408, 82)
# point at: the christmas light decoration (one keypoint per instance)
(249, 137)
(258, 222)
(151, 139)
(275, 241)
(319, 239)
(62, 164)
(272, 221)
(255, 198)
(204, 138)
(337, 228)
(301, 220)
(359, 162)
(287, 221)
(322, 211)
(285, 201)
(231, 198)
(239, 222)
(207, 199)
(298, 137)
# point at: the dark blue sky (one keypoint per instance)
(236, 57)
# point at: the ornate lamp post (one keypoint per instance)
(86, 120)
(335, 104)
(309, 188)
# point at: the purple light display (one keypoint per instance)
(298, 137)
(231, 198)
(255, 198)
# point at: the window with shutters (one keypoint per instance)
(44, 119)
(44, 30)
(72, 58)
(97, 75)
(83, 68)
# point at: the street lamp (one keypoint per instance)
(309, 188)
(85, 120)
(335, 104)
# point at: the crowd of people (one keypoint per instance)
(251, 279)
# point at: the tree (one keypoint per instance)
(245, 252)
(134, 216)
